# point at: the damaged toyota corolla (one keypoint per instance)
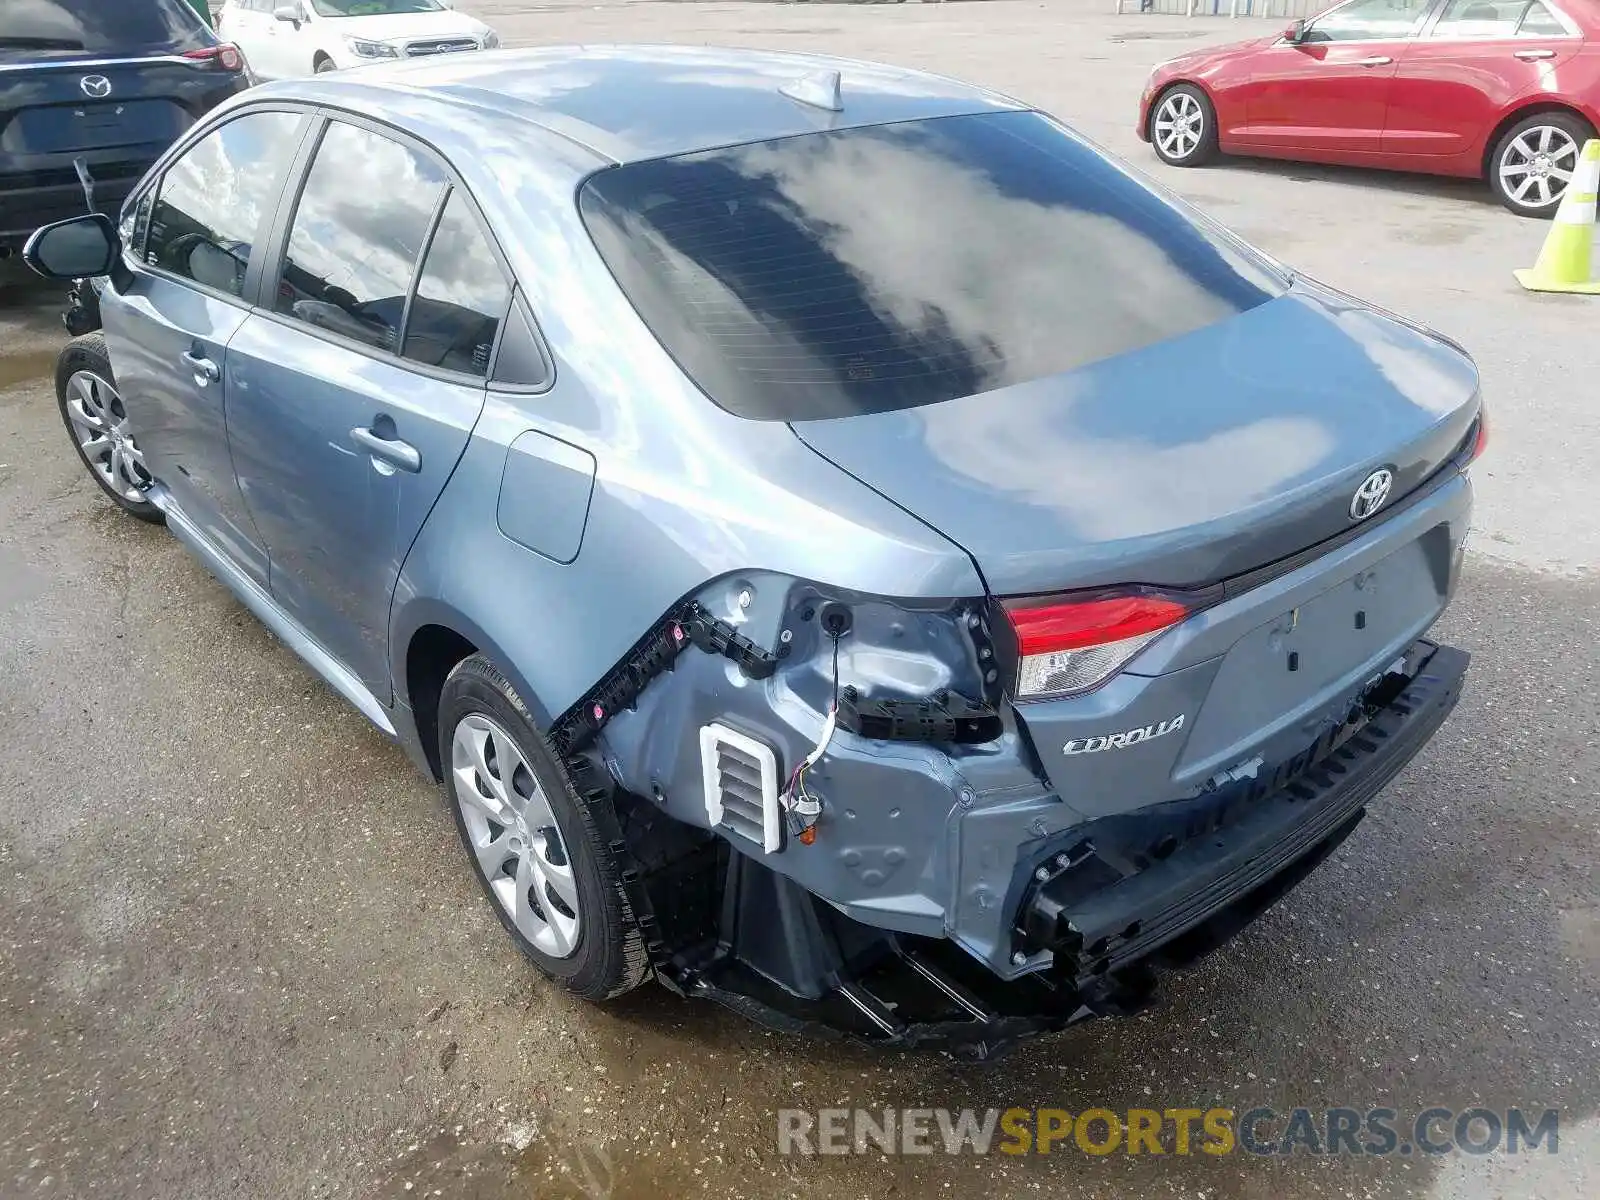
(848, 548)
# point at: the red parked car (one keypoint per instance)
(1504, 90)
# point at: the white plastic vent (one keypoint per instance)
(741, 784)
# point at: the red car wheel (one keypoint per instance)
(1183, 126)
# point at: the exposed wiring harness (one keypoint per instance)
(801, 807)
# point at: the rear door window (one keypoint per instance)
(357, 236)
(101, 27)
(462, 296)
(1539, 21)
(880, 268)
(1479, 19)
(210, 203)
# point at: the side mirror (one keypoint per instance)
(289, 13)
(73, 249)
(1296, 33)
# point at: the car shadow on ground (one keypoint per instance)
(1435, 187)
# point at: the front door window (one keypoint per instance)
(1369, 21)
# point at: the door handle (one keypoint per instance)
(205, 371)
(391, 452)
(1377, 60)
(1533, 55)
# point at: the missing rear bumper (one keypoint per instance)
(1105, 900)
(759, 944)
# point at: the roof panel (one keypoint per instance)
(633, 102)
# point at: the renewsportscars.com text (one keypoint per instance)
(1174, 1131)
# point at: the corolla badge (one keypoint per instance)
(96, 87)
(1369, 497)
(1121, 741)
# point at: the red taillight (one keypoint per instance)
(1092, 622)
(1069, 646)
(226, 56)
(1481, 442)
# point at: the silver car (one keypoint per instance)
(847, 546)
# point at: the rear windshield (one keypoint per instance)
(881, 268)
(101, 27)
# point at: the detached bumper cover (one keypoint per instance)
(1103, 916)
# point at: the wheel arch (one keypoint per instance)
(428, 639)
(1161, 92)
(1520, 112)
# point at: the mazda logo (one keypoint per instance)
(96, 87)
(1369, 497)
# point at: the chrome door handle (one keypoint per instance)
(1533, 55)
(389, 451)
(1377, 60)
(205, 371)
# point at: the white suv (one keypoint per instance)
(283, 38)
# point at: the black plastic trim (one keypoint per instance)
(652, 656)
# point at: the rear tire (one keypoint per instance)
(1527, 164)
(532, 842)
(92, 410)
(1183, 126)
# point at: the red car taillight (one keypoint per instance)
(226, 57)
(1069, 646)
(1481, 442)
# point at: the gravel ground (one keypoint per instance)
(240, 953)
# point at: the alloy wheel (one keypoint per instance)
(1537, 165)
(1179, 125)
(513, 832)
(100, 423)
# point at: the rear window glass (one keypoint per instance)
(866, 270)
(100, 26)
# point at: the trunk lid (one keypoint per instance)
(1185, 462)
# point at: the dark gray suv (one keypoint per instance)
(91, 93)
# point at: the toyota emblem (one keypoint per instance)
(1369, 497)
(96, 87)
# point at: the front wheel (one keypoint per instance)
(1535, 161)
(1183, 126)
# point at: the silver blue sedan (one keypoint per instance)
(846, 546)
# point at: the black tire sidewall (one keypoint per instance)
(609, 956)
(1206, 149)
(1576, 127)
(89, 353)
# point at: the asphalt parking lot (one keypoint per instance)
(240, 954)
